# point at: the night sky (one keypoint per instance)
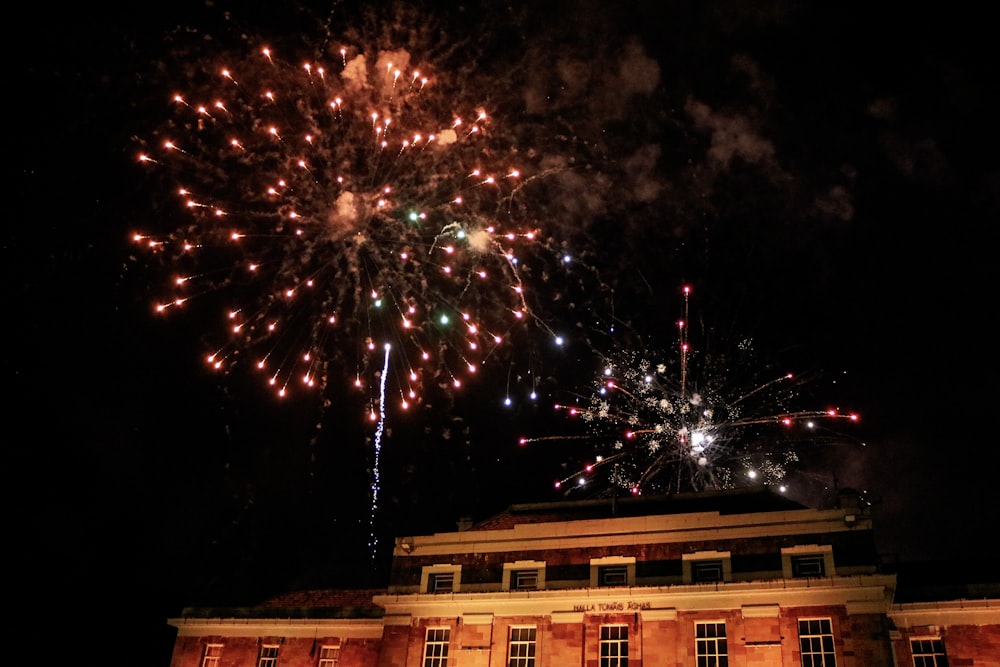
(823, 179)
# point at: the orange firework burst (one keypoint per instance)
(330, 209)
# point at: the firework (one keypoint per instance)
(330, 209)
(676, 422)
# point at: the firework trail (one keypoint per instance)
(671, 423)
(376, 468)
(330, 207)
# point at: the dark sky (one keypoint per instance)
(824, 178)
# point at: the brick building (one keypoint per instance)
(740, 579)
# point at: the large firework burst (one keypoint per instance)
(341, 205)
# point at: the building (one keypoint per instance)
(733, 578)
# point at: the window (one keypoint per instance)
(816, 642)
(436, 647)
(441, 578)
(612, 571)
(329, 656)
(612, 575)
(807, 560)
(614, 646)
(808, 566)
(521, 647)
(524, 580)
(442, 582)
(710, 644)
(524, 575)
(928, 653)
(268, 656)
(707, 566)
(212, 655)
(706, 570)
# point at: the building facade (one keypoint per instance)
(723, 579)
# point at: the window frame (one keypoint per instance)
(790, 555)
(441, 582)
(429, 576)
(808, 566)
(612, 576)
(211, 655)
(935, 655)
(512, 570)
(707, 648)
(691, 562)
(599, 569)
(613, 650)
(326, 660)
(827, 656)
(440, 637)
(527, 648)
(268, 655)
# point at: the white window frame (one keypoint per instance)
(212, 655)
(597, 565)
(688, 565)
(510, 571)
(436, 642)
(329, 655)
(268, 655)
(931, 657)
(824, 550)
(706, 649)
(521, 651)
(822, 657)
(619, 643)
(429, 572)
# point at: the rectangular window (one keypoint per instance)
(706, 570)
(710, 644)
(612, 575)
(524, 580)
(212, 655)
(614, 646)
(329, 656)
(808, 566)
(928, 653)
(268, 656)
(521, 648)
(816, 643)
(442, 582)
(436, 647)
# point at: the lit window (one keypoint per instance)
(928, 653)
(614, 646)
(811, 565)
(816, 643)
(521, 648)
(329, 656)
(710, 644)
(436, 647)
(524, 580)
(612, 575)
(213, 652)
(268, 656)
(706, 570)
